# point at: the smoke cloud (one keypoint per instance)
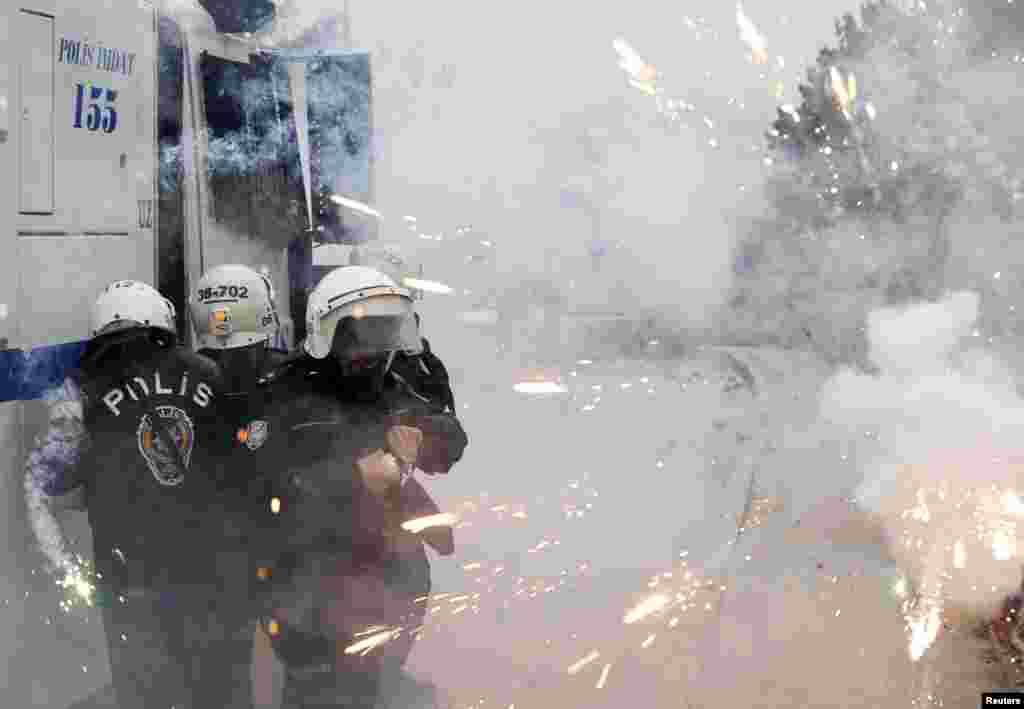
(50, 465)
(939, 429)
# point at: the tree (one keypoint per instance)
(872, 177)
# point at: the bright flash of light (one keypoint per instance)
(77, 583)
(1012, 504)
(583, 662)
(604, 677)
(375, 640)
(651, 605)
(921, 512)
(760, 508)
(644, 77)
(1004, 545)
(539, 381)
(647, 88)
(844, 92)
(444, 519)
(539, 388)
(959, 554)
(427, 286)
(275, 505)
(633, 64)
(924, 628)
(751, 36)
(356, 206)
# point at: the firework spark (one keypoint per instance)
(539, 381)
(427, 286)
(652, 605)
(539, 388)
(374, 641)
(959, 554)
(1012, 503)
(1004, 546)
(751, 37)
(843, 92)
(444, 519)
(644, 77)
(923, 624)
(356, 206)
(641, 73)
(76, 582)
(760, 509)
(583, 662)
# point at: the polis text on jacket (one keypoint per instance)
(153, 385)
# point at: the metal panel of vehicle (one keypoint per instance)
(61, 276)
(35, 88)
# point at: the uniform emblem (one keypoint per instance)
(256, 434)
(167, 465)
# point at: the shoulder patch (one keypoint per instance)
(255, 434)
(162, 461)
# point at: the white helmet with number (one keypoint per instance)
(124, 305)
(233, 306)
(358, 312)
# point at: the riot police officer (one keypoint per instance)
(234, 314)
(364, 411)
(233, 310)
(144, 457)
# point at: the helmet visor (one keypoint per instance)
(373, 328)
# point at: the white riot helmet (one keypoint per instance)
(124, 305)
(360, 313)
(233, 306)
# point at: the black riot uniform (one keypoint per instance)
(254, 460)
(247, 408)
(342, 564)
(166, 573)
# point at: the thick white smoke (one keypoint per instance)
(55, 455)
(489, 119)
(939, 427)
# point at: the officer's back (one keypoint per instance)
(150, 410)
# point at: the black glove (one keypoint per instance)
(444, 440)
